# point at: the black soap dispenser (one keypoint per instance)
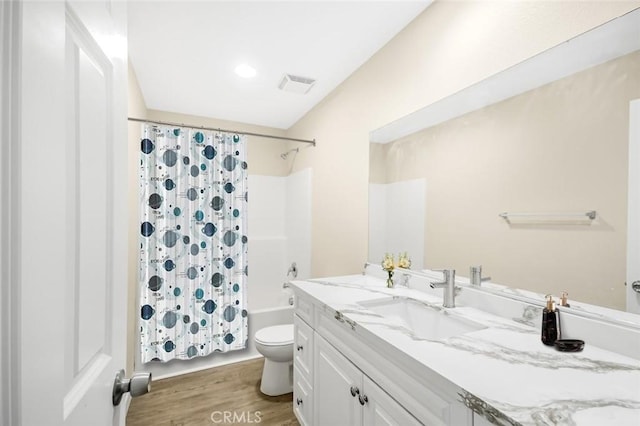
(549, 322)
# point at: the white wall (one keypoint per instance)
(396, 220)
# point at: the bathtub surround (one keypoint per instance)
(396, 220)
(193, 242)
(280, 223)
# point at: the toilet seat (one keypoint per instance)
(277, 335)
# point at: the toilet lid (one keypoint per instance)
(275, 335)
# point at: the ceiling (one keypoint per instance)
(184, 52)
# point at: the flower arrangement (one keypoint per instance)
(389, 265)
(403, 261)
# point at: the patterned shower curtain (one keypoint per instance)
(193, 243)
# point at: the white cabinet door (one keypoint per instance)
(302, 400)
(382, 410)
(69, 248)
(335, 379)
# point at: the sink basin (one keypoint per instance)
(421, 320)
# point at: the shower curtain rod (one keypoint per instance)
(140, 120)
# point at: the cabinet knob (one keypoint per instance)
(363, 399)
(299, 401)
(299, 347)
(354, 391)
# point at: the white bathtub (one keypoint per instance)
(257, 319)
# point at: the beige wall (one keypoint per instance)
(560, 148)
(448, 47)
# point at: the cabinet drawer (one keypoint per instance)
(302, 348)
(302, 400)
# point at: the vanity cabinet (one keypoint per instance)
(345, 396)
(341, 378)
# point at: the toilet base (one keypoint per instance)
(277, 378)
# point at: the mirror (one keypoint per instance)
(549, 136)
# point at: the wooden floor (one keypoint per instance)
(206, 397)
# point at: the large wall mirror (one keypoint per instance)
(549, 137)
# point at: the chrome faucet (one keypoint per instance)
(476, 275)
(449, 285)
(404, 280)
(293, 270)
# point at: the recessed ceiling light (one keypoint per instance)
(245, 71)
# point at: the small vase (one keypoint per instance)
(390, 279)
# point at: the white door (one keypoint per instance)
(633, 216)
(337, 385)
(68, 212)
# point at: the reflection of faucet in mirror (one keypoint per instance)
(404, 281)
(589, 260)
(476, 275)
(449, 285)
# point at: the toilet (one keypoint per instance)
(275, 343)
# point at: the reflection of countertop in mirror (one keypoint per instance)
(496, 138)
(606, 313)
(504, 365)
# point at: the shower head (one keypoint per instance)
(284, 155)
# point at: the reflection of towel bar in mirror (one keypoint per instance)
(591, 214)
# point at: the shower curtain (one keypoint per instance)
(193, 243)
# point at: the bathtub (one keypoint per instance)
(257, 319)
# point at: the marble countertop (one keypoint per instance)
(503, 370)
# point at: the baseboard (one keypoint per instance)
(203, 367)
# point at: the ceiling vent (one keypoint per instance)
(296, 84)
